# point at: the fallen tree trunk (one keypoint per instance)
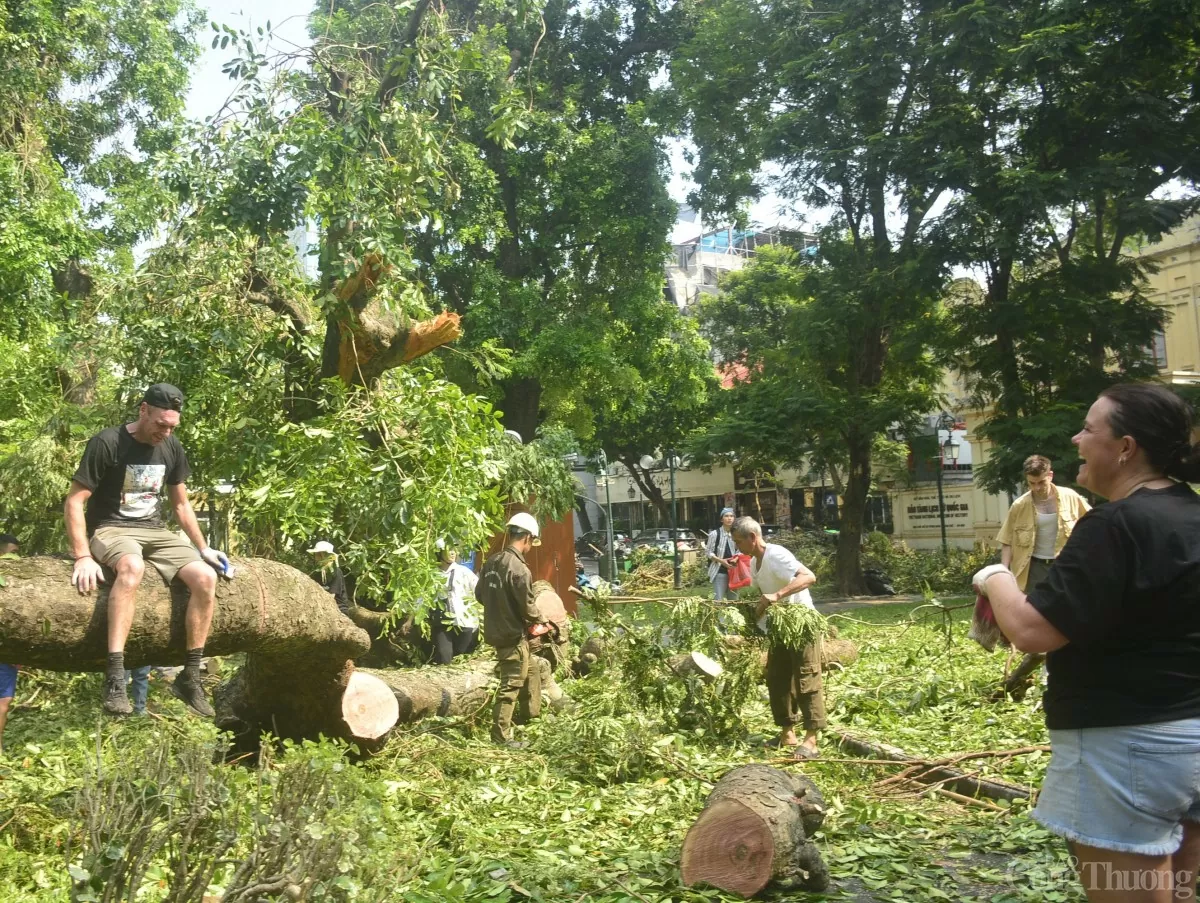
(443, 691)
(298, 679)
(949, 777)
(1019, 680)
(755, 830)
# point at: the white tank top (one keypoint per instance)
(1047, 534)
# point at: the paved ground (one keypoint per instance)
(843, 603)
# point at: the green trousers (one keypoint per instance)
(520, 689)
(795, 686)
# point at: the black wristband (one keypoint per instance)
(81, 557)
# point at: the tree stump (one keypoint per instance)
(695, 663)
(756, 829)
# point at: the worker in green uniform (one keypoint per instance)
(505, 590)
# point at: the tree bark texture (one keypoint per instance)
(1022, 676)
(756, 830)
(849, 575)
(298, 679)
(443, 691)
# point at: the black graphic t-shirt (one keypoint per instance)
(127, 477)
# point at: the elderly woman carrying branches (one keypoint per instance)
(1119, 615)
(794, 629)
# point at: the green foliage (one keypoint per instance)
(535, 475)
(912, 571)
(919, 570)
(1086, 149)
(602, 798)
(89, 94)
(771, 83)
(804, 332)
(794, 626)
(556, 250)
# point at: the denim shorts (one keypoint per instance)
(8, 681)
(1126, 789)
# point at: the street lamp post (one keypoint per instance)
(944, 422)
(671, 460)
(612, 563)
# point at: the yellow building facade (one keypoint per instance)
(1176, 288)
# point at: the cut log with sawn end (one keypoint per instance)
(298, 680)
(439, 690)
(756, 830)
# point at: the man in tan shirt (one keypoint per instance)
(1038, 524)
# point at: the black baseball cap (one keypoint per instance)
(165, 396)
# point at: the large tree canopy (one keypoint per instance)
(1091, 137)
(860, 109)
(555, 250)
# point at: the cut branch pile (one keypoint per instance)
(923, 775)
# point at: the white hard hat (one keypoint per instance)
(322, 546)
(526, 522)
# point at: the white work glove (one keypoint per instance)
(87, 575)
(218, 560)
(979, 581)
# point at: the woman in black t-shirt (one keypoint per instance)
(1119, 615)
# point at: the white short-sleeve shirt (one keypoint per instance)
(778, 568)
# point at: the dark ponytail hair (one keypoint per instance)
(1161, 424)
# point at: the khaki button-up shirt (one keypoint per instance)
(1020, 528)
(505, 590)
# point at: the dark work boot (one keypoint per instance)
(186, 687)
(116, 700)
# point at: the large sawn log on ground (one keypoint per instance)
(298, 679)
(441, 690)
(756, 829)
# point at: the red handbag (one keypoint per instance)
(739, 574)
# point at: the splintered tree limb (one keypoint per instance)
(356, 292)
(427, 335)
(298, 679)
(370, 341)
(368, 347)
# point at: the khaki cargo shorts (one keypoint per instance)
(165, 550)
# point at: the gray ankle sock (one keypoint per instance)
(116, 665)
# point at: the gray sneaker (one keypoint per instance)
(116, 700)
(187, 688)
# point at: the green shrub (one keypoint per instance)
(910, 570)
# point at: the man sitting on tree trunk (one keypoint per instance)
(505, 590)
(793, 676)
(123, 471)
